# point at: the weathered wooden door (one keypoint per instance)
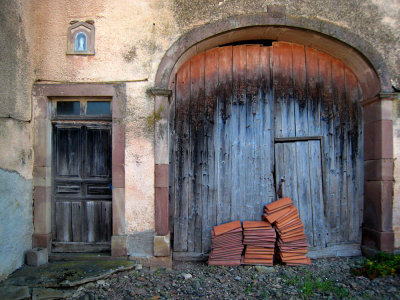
(236, 108)
(82, 187)
(302, 182)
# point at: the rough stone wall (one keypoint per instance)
(132, 37)
(16, 157)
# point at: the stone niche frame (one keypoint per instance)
(42, 147)
(355, 52)
(73, 31)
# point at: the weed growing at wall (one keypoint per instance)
(382, 264)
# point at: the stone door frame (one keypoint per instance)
(42, 146)
(336, 41)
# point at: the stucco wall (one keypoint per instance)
(133, 36)
(16, 156)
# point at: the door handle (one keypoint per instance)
(280, 187)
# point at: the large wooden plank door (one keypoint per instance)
(82, 218)
(242, 112)
(298, 167)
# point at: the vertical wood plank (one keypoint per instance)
(76, 221)
(240, 62)
(317, 201)
(84, 222)
(90, 221)
(182, 128)
(333, 177)
(253, 76)
(225, 100)
(248, 143)
(191, 159)
(313, 92)
(339, 166)
(342, 156)
(198, 144)
(63, 221)
(267, 133)
(277, 90)
(353, 157)
(300, 90)
(359, 173)
(325, 91)
(99, 233)
(238, 98)
(304, 189)
(210, 201)
(106, 220)
(283, 90)
(290, 186)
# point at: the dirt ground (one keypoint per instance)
(323, 279)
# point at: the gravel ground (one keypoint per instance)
(323, 279)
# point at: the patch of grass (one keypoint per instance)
(307, 285)
(248, 289)
(382, 264)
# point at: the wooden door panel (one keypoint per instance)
(63, 221)
(69, 152)
(98, 155)
(82, 188)
(77, 218)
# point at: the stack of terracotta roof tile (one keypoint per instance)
(292, 242)
(259, 238)
(226, 244)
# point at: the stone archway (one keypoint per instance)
(368, 67)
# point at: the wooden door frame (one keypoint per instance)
(42, 146)
(358, 54)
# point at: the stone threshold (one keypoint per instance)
(104, 256)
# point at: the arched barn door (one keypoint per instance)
(250, 122)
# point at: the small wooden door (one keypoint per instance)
(82, 218)
(299, 176)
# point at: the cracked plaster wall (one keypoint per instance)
(133, 36)
(16, 157)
